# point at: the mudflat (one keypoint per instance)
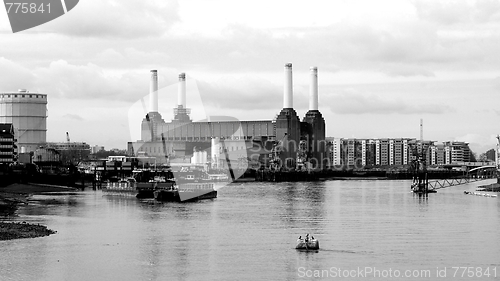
(17, 193)
(17, 230)
(28, 188)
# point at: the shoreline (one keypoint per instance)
(15, 194)
(33, 188)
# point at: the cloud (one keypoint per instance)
(61, 79)
(409, 47)
(478, 143)
(407, 70)
(353, 102)
(89, 81)
(130, 58)
(446, 13)
(487, 11)
(14, 76)
(75, 117)
(458, 12)
(111, 19)
(247, 93)
(406, 49)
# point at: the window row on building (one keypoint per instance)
(22, 96)
(394, 152)
(8, 149)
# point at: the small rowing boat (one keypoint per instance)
(312, 244)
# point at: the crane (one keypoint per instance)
(165, 153)
(228, 161)
(497, 154)
(302, 163)
(275, 162)
(150, 124)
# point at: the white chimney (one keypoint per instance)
(153, 92)
(313, 89)
(288, 91)
(181, 90)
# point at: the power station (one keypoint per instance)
(285, 139)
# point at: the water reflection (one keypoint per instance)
(422, 197)
(151, 245)
(249, 232)
(423, 201)
(304, 205)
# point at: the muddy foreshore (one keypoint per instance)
(16, 194)
(17, 230)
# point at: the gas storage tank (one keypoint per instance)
(28, 113)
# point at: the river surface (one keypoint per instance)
(368, 230)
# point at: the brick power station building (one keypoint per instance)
(242, 139)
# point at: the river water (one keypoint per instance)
(368, 230)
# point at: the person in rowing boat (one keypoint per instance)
(299, 239)
(307, 238)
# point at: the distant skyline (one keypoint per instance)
(383, 65)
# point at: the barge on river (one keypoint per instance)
(186, 192)
(162, 186)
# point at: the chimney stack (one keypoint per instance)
(313, 89)
(181, 91)
(288, 91)
(153, 92)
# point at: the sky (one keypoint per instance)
(382, 65)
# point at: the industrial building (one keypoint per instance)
(69, 152)
(96, 148)
(8, 149)
(290, 140)
(44, 156)
(178, 139)
(27, 112)
(290, 132)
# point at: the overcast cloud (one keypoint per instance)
(389, 60)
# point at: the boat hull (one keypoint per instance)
(166, 195)
(185, 196)
(138, 189)
(186, 192)
(176, 196)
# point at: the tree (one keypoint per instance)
(483, 157)
(473, 157)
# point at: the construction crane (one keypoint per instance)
(275, 162)
(302, 163)
(165, 153)
(228, 161)
(418, 164)
(497, 154)
(421, 130)
(67, 137)
(150, 124)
